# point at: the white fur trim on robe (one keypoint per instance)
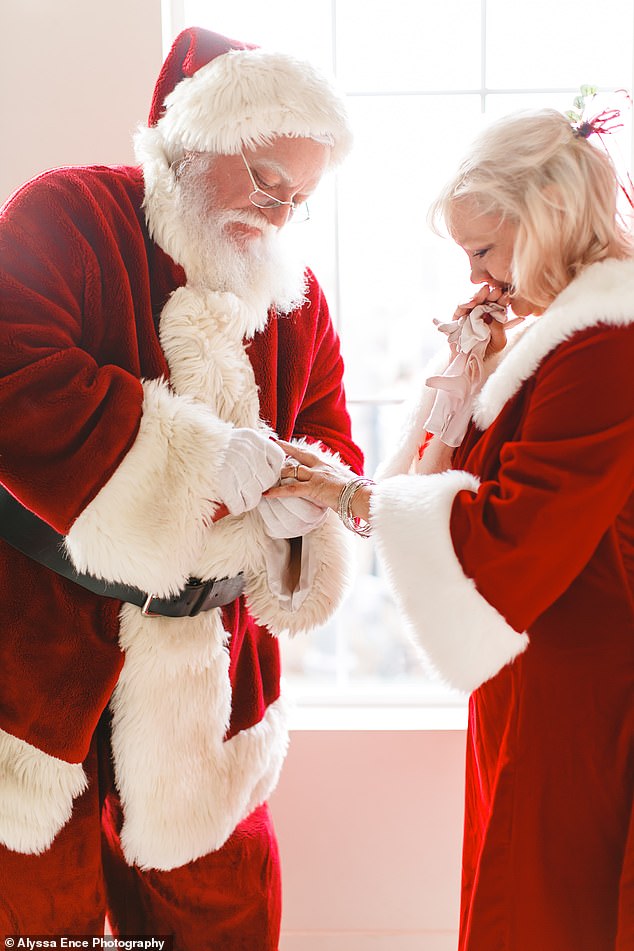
(182, 787)
(602, 293)
(147, 524)
(464, 638)
(37, 795)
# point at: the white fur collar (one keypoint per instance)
(602, 294)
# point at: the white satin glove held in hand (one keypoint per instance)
(290, 518)
(252, 465)
(469, 337)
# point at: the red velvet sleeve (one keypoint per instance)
(562, 479)
(307, 397)
(73, 282)
(323, 415)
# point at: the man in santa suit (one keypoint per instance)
(157, 331)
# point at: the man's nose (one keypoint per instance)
(278, 215)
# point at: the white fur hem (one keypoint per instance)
(146, 526)
(184, 788)
(464, 638)
(37, 795)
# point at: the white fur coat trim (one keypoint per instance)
(150, 525)
(37, 795)
(146, 526)
(464, 639)
(602, 294)
(183, 788)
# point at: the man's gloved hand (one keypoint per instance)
(252, 465)
(290, 518)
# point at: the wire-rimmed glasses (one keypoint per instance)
(298, 211)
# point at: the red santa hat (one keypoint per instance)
(219, 95)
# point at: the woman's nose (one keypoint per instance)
(479, 274)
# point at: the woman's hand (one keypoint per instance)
(490, 294)
(312, 478)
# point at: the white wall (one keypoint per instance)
(369, 822)
(76, 78)
(370, 829)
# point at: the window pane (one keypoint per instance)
(401, 45)
(395, 275)
(564, 43)
(278, 25)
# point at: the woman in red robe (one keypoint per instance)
(509, 545)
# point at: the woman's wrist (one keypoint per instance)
(360, 505)
(353, 507)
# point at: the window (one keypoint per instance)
(422, 77)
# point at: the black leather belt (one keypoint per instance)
(23, 530)
(195, 597)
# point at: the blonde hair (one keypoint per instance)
(559, 189)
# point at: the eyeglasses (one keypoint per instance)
(298, 211)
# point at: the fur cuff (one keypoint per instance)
(147, 524)
(463, 637)
(331, 558)
(37, 795)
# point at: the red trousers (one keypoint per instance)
(229, 900)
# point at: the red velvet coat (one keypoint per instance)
(95, 319)
(516, 570)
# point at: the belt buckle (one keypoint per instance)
(145, 610)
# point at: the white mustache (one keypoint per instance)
(251, 218)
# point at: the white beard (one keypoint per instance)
(264, 272)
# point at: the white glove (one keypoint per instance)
(460, 383)
(252, 464)
(290, 518)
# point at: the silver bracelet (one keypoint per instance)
(344, 507)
